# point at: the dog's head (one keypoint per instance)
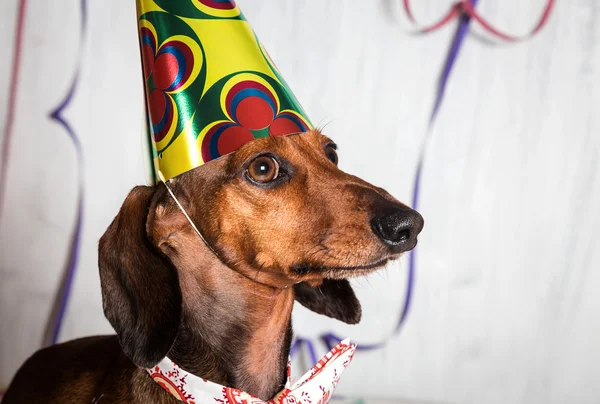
(278, 211)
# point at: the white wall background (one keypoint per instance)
(506, 306)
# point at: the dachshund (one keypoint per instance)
(280, 222)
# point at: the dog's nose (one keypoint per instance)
(398, 227)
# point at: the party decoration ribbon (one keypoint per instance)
(12, 97)
(12, 101)
(62, 296)
(59, 307)
(465, 11)
(468, 7)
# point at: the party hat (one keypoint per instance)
(210, 85)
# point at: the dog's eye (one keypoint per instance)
(331, 154)
(263, 169)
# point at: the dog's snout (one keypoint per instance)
(398, 227)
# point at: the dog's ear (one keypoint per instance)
(333, 298)
(141, 296)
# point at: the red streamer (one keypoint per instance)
(12, 97)
(466, 7)
(454, 12)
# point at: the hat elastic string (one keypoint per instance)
(189, 219)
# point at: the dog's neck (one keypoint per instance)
(234, 331)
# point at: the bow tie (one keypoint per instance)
(316, 386)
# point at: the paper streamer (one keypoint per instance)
(57, 313)
(461, 31)
(466, 12)
(12, 101)
(59, 307)
(468, 7)
(12, 98)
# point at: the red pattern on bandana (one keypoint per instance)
(315, 387)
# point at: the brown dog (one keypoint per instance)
(285, 223)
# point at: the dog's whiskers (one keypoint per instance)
(320, 127)
(321, 249)
(366, 278)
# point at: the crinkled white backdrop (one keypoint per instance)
(506, 306)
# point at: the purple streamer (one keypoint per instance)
(461, 32)
(330, 339)
(298, 342)
(61, 301)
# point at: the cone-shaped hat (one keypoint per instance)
(210, 85)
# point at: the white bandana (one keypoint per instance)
(315, 387)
